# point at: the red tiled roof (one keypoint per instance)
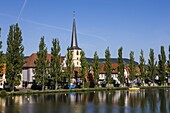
(137, 70)
(114, 66)
(3, 71)
(30, 61)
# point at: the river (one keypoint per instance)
(117, 101)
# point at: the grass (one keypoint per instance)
(30, 92)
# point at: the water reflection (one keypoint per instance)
(150, 100)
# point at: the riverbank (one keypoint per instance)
(29, 91)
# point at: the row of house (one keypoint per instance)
(29, 66)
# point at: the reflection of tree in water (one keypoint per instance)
(143, 101)
(162, 101)
(133, 101)
(152, 101)
(10, 103)
(90, 97)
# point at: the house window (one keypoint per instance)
(77, 58)
(77, 63)
(77, 52)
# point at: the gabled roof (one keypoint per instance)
(30, 60)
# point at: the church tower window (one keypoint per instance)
(77, 52)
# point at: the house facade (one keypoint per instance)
(2, 77)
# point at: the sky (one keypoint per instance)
(131, 24)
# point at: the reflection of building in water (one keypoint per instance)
(116, 96)
(18, 100)
(2, 105)
(75, 98)
(102, 97)
(126, 99)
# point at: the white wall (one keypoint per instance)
(102, 76)
(27, 75)
(2, 81)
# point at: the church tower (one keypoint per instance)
(75, 50)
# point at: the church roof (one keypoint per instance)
(74, 43)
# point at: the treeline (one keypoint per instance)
(51, 72)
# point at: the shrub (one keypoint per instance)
(3, 93)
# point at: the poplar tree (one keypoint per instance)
(84, 66)
(41, 70)
(69, 66)
(168, 63)
(96, 67)
(162, 65)
(14, 56)
(151, 65)
(142, 66)
(108, 65)
(131, 65)
(55, 65)
(120, 66)
(1, 55)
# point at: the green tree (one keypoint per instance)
(168, 63)
(108, 65)
(162, 65)
(55, 65)
(142, 65)
(131, 66)
(151, 65)
(41, 70)
(14, 56)
(1, 55)
(96, 67)
(84, 66)
(69, 66)
(120, 66)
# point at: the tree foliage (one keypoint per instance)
(108, 65)
(41, 70)
(14, 56)
(151, 65)
(120, 65)
(142, 65)
(96, 67)
(69, 65)
(84, 66)
(162, 65)
(168, 62)
(132, 65)
(1, 55)
(55, 64)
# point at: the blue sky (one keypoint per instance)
(132, 24)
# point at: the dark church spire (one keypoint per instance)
(74, 43)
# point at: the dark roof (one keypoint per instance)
(113, 60)
(74, 43)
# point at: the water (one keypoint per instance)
(120, 101)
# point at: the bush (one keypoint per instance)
(3, 93)
(86, 84)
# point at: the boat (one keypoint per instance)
(134, 89)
